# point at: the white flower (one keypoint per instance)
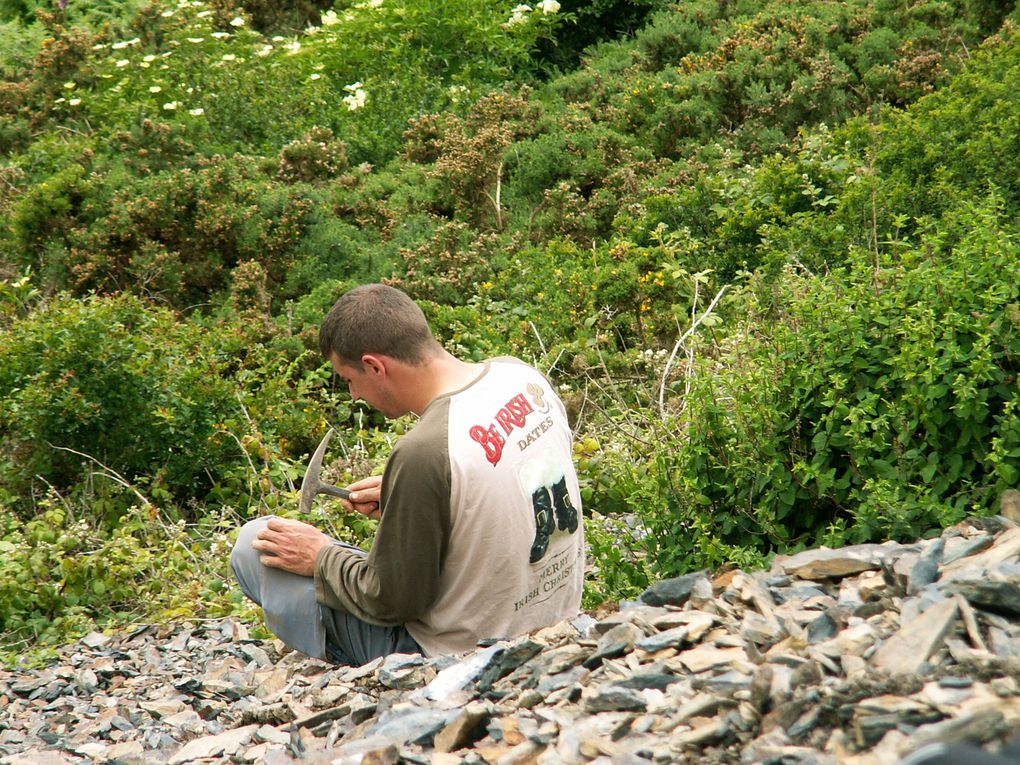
(315, 76)
(277, 38)
(237, 21)
(60, 101)
(170, 106)
(70, 85)
(150, 57)
(355, 97)
(123, 62)
(119, 45)
(155, 89)
(196, 39)
(167, 14)
(517, 14)
(196, 112)
(264, 51)
(329, 19)
(229, 57)
(549, 6)
(220, 35)
(203, 14)
(74, 101)
(293, 47)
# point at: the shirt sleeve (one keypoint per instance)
(400, 578)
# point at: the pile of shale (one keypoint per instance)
(864, 654)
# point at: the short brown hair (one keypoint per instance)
(377, 318)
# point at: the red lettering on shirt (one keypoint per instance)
(514, 414)
(510, 417)
(491, 441)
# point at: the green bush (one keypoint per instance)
(113, 384)
(867, 405)
(952, 146)
(177, 234)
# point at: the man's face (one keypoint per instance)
(370, 384)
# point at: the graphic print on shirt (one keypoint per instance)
(510, 420)
(546, 481)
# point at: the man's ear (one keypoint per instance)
(375, 365)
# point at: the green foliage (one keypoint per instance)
(879, 403)
(175, 234)
(962, 141)
(118, 384)
(66, 570)
(185, 189)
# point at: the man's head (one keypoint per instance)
(380, 320)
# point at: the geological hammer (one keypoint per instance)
(311, 485)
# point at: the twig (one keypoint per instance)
(109, 472)
(796, 262)
(556, 361)
(537, 337)
(679, 343)
(67, 505)
(496, 201)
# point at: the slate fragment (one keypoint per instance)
(673, 592)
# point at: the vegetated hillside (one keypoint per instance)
(767, 250)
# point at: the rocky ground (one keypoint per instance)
(858, 655)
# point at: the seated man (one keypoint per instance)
(480, 532)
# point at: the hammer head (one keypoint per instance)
(312, 485)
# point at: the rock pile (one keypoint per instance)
(857, 655)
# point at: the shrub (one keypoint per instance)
(177, 234)
(470, 163)
(454, 264)
(164, 404)
(859, 407)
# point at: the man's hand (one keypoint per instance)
(290, 545)
(364, 497)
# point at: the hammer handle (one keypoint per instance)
(335, 491)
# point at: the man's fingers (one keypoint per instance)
(271, 560)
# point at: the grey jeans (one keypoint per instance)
(295, 617)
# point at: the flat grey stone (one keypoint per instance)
(914, 642)
(225, 744)
(832, 564)
(673, 592)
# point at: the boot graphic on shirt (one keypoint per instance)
(544, 525)
(566, 514)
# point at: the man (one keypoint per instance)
(480, 532)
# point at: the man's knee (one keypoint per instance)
(244, 559)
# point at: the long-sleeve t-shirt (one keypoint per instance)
(481, 532)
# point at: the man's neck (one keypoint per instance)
(437, 377)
